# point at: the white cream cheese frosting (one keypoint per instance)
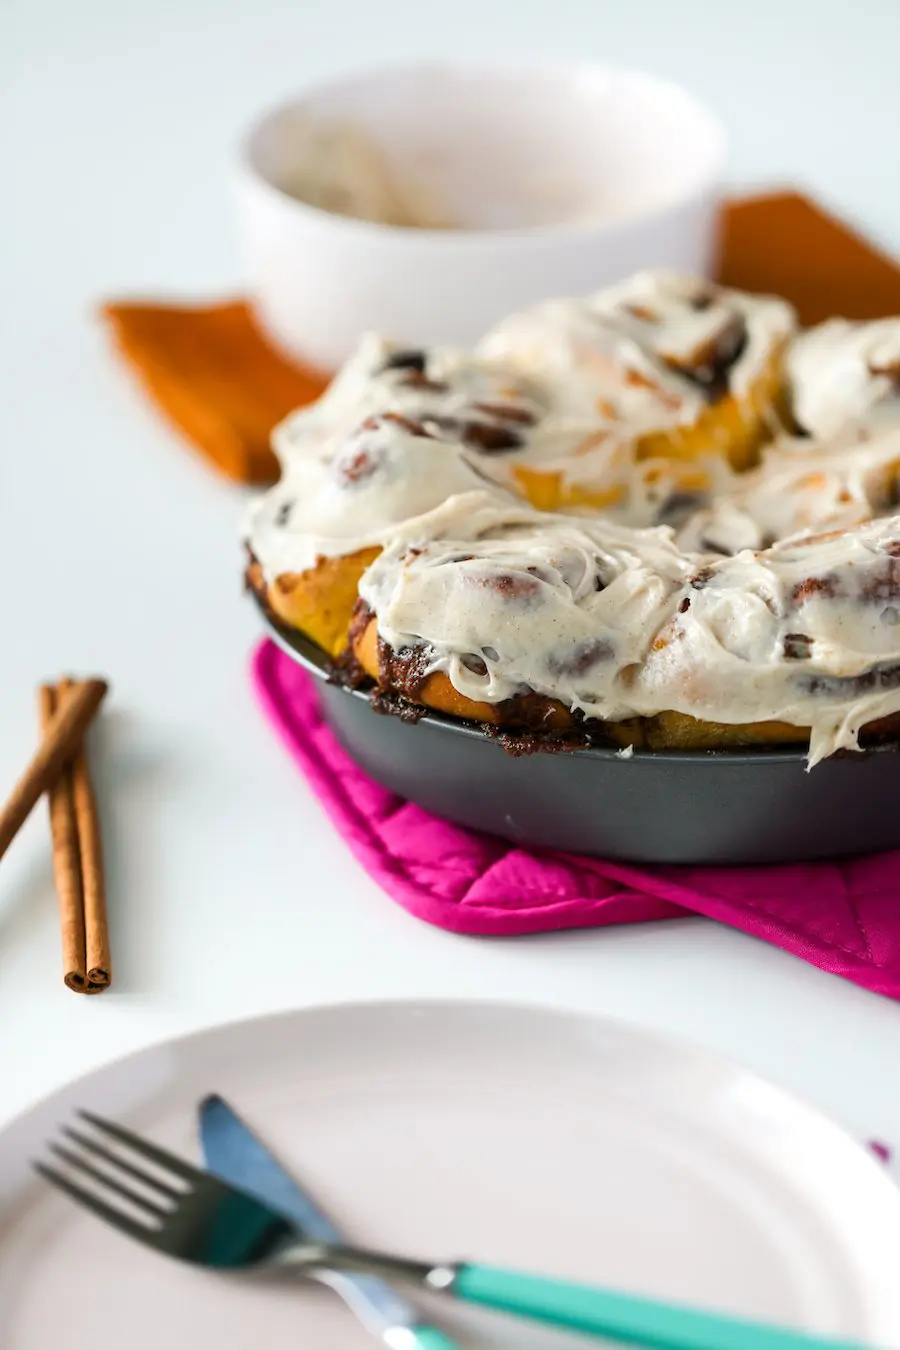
(796, 492)
(697, 590)
(846, 378)
(680, 338)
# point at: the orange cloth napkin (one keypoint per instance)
(216, 378)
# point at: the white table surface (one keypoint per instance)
(229, 892)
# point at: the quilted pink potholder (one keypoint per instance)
(841, 916)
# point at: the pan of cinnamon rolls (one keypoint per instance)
(624, 579)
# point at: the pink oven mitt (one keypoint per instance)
(841, 916)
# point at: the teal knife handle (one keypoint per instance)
(429, 1338)
(623, 1318)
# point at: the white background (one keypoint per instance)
(229, 893)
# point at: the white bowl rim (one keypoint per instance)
(551, 233)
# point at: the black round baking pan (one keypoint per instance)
(716, 807)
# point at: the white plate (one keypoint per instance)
(556, 1142)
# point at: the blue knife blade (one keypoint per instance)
(232, 1152)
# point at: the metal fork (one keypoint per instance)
(175, 1208)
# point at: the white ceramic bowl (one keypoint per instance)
(565, 177)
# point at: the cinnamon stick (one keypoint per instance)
(62, 736)
(93, 890)
(66, 859)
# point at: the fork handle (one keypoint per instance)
(621, 1317)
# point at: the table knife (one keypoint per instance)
(233, 1153)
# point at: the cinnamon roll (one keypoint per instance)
(562, 531)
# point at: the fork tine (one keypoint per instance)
(115, 1217)
(108, 1182)
(92, 1146)
(167, 1161)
